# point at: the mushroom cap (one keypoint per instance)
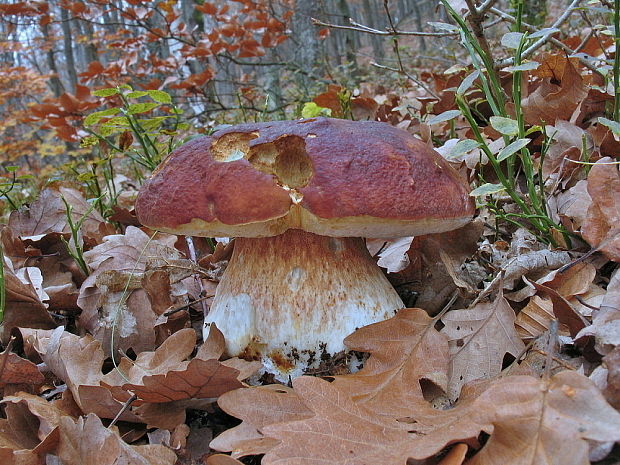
(326, 176)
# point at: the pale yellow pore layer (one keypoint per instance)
(299, 218)
(291, 299)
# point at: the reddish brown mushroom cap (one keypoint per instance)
(327, 176)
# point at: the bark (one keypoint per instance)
(54, 82)
(68, 46)
(306, 52)
(371, 20)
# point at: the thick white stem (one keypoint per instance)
(291, 299)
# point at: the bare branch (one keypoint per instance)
(369, 30)
(544, 39)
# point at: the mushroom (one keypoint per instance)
(299, 197)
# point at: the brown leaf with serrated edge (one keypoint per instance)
(557, 97)
(479, 338)
(31, 428)
(344, 432)
(105, 305)
(78, 362)
(602, 225)
(538, 415)
(199, 379)
(48, 214)
(88, 442)
(17, 370)
(405, 350)
(257, 407)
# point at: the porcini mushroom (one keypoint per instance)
(299, 196)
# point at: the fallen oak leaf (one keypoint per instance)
(82, 443)
(78, 362)
(342, 432)
(257, 407)
(221, 459)
(559, 94)
(566, 409)
(17, 370)
(562, 309)
(479, 337)
(602, 225)
(405, 350)
(200, 379)
(131, 314)
(23, 307)
(48, 214)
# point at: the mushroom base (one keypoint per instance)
(290, 300)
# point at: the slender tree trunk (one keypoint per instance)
(55, 83)
(371, 14)
(68, 46)
(307, 43)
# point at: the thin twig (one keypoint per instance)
(544, 39)
(369, 30)
(482, 9)
(178, 308)
(126, 405)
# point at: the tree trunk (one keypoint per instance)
(307, 43)
(55, 83)
(68, 46)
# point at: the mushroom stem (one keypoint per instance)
(291, 299)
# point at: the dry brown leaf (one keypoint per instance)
(612, 391)
(570, 207)
(30, 430)
(106, 306)
(558, 95)
(392, 253)
(23, 307)
(221, 459)
(567, 143)
(456, 456)
(405, 350)
(257, 407)
(78, 362)
(602, 226)
(563, 310)
(532, 417)
(479, 338)
(47, 214)
(426, 275)
(605, 325)
(344, 432)
(82, 443)
(535, 318)
(199, 379)
(17, 370)
(47, 413)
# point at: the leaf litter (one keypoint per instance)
(524, 357)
